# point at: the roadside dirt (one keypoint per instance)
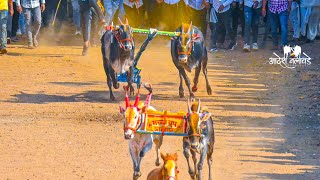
(57, 122)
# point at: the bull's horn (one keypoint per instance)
(127, 22)
(120, 21)
(198, 110)
(137, 99)
(127, 100)
(189, 108)
(190, 26)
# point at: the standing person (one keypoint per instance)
(51, 9)
(32, 8)
(278, 9)
(310, 15)
(252, 9)
(224, 20)
(213, 21)
(236, 14)
(197, 14)
(76, 16)
(22, 25)
(5, 5)
(85, 9)
(295, 20)
(15, 23)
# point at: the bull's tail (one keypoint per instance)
(104, 53)
(103, 48)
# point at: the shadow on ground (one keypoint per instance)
(268, 112)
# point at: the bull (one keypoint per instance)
(200, 139)
(118, 55)
(139, 144)
(188, 52)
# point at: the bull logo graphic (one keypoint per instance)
(293, 52)
(286, 51)
(296, 51)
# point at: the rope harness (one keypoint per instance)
(135, 128)
(117, 35)
(189, 46)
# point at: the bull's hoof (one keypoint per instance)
(209, 91)
(131, 90)
(193, 176)
(131, 93)
(136, 175)
(181, 94)
(112, 98)
(116, 85)
(192, 96)
(194, 89)
(157, 162)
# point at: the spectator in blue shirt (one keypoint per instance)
(32, 8)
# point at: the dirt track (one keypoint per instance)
(56, 120)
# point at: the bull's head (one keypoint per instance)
(170, 167)
(132, 114)
(185, 42)
(125, 35)
(195, 125)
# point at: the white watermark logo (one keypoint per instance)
(292, 57)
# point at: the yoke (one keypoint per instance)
(164, 123)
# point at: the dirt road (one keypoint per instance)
(57, 122)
